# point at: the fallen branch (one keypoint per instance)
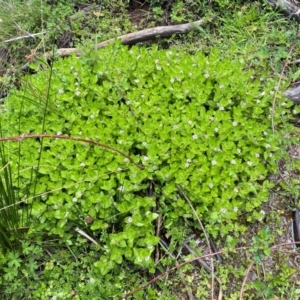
(288, 7)
(135, 37)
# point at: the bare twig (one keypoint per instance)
(158, 226)
(297, 61)
(273, 248)
(188, 289)
(24, 31)
(55, 190)
(245, 280)
(25, 37)
(66, 137)
(203, 264)
(200, 261)
(136, 37)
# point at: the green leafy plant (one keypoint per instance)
(188, 120)
(261, 245)
(63, 271)
(268, 284)
(248, 34)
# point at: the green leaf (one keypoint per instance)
(10, 273)
(14, 260)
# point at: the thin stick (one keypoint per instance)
(67, 137)
(203, 264)
(273, 248)
(200, 261)
(297, 61)
(188, 289)
(25, 37)
(23, 30)
(170, 270)
(71, 252)
(55, 190)
(158, 226)
(206, 238)
(245, 280)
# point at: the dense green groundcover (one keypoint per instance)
(199, 122)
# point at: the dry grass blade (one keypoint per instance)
(206, 238)
(245, 280)
(188, 289)
(277, 88)
(81, 232)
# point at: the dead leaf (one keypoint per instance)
(98, 14)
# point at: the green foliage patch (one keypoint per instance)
(54, 271)
(199, 122)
